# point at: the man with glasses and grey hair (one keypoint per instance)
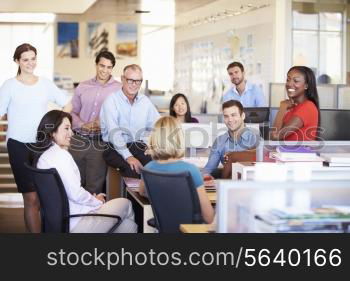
(126, 119)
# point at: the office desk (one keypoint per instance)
(143, 209)
(116, 185)
(246, 171)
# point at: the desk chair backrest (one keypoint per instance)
(173, 198)
(237, 156)
(54, 205)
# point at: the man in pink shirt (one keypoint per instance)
(87, 146)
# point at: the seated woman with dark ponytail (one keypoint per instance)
(53, 140)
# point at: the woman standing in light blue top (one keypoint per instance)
(25, 100)
(167, 148)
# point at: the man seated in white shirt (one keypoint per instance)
(126, 117)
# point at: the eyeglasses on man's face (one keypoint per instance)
(132, 81)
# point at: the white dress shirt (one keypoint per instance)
(80, 200)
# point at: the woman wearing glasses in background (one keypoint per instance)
(25, 100)
(180, 109)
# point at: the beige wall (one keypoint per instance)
(83, 68)
(259, 23)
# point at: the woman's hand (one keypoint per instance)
(286, 105)
(208, 180)
(100, 196)
(93, 126)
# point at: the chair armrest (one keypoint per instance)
(152, 222)
(111, 230)
(95, 215)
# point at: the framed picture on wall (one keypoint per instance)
(68, 39)
(126, 39)
(97, 38)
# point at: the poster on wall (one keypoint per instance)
(126, 39)
(97, 37)
(68, 39)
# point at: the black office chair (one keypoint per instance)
(173, 198)
(54, 205)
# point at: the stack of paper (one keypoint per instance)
(337, 159)
(132, 182)
(297, 154)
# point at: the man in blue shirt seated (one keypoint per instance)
(250, 95)
(237, 138)
(126, 119)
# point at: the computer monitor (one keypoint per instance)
(197, 135)
(334, 124)
(273, 113)
(256, 114)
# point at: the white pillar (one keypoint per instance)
(282, 44)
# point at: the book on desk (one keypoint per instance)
(132, 183)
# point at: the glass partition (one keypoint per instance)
(315, 206)
(268, 147)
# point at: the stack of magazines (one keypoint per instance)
(332, 219)
(297, 155)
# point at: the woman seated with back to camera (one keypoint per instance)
(180, 109)
(166, 146)
(298, 117)
(53, 140)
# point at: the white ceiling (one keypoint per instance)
(45, 6)
(161, 11)
(110, 7)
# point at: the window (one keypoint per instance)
(317, 43)
(35, 29)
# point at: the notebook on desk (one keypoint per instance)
(132, 182)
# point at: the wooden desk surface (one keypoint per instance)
(195, 228)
